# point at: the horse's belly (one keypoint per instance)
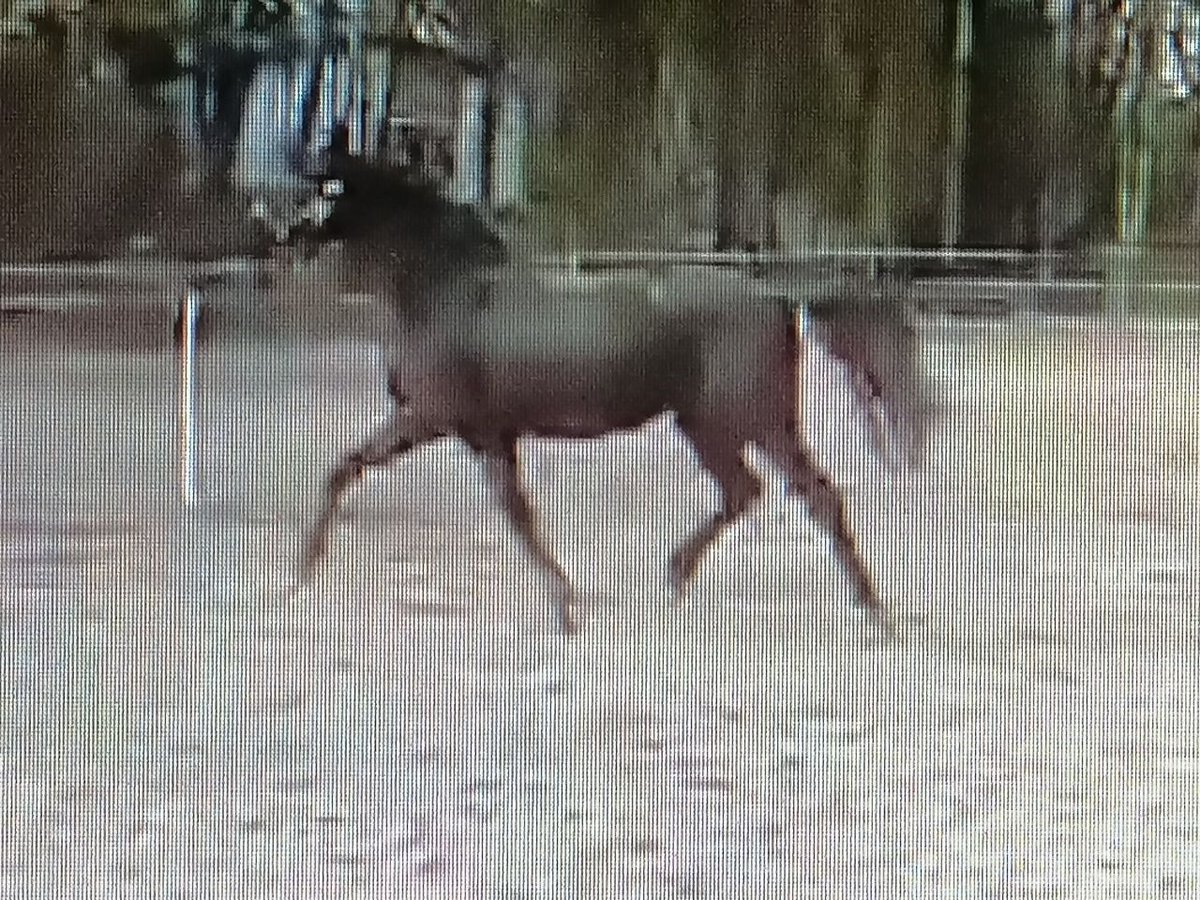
(589, 417)
(554, 402)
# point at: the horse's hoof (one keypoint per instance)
(882, 621)
(677, 585)
(886, 624)
(299, 590)
(569, 621)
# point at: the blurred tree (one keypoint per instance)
(1141, 61)
(64, 194)
(771, 122)
(1031, 146)
(774, 98)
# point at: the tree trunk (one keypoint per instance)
(748, 91)
(507, 151)
(878, 134)
(1133, 162)
(956, 145)
(673, 164)
(1051, 194)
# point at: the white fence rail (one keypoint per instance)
(958, 280)
(712, 257)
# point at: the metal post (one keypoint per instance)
(470, 153)
(357, 112)
(189, 314)
(377, 75)
(328, 105)
(508, 145)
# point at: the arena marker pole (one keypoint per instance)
(801, 326)
(189, 314)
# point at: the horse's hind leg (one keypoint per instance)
(390, 440)
(872, 417)
(501, 465)
(720, 454)
(827, 505)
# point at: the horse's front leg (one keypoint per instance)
(394, 438)
(500, 460)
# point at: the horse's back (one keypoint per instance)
(535, 315)
(558, 354)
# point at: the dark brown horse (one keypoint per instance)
(489, 348)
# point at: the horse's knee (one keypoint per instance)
(395, 390)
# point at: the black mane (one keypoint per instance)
(378, 208)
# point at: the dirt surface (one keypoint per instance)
(414, 726)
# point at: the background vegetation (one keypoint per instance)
(813, 122)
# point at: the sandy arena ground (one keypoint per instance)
(171, 727)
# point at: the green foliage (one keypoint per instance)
(852, 95)
(168, 14)
(1170, 129)
(837, 77)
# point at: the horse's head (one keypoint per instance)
(387, 215)
(872, 331)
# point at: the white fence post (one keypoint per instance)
(801, 326)
(189, 314)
